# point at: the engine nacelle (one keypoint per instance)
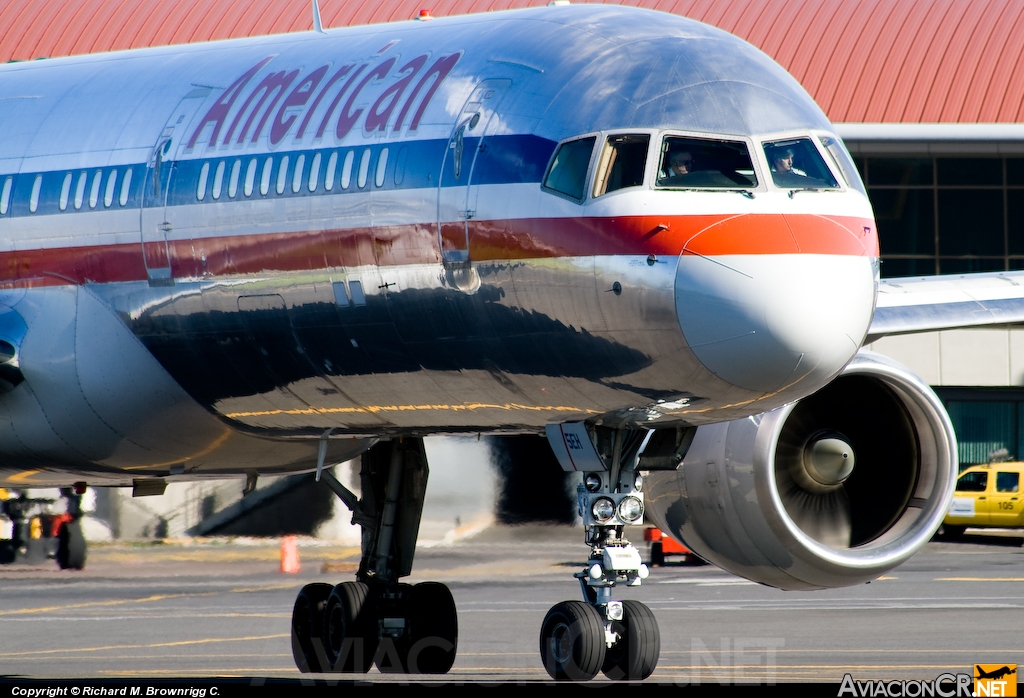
(830, 491)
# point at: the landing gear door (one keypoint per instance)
(154, 221)
(455, 205)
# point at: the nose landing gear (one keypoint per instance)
(619, 638)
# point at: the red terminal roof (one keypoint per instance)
(895, 61)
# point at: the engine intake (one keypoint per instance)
(833, 490)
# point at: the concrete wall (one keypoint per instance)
(977, 358)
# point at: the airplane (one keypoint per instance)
(627, 235)
(995, 673)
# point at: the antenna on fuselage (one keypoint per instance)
(317, 24)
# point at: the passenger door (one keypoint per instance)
(154, 223)
(455, 205)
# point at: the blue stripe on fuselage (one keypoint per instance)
(503, 159)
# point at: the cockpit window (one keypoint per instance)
(568, 172)
(841, 158)
(622, 163)
(796, 164)
(700, 163)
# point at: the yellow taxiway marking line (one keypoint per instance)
(91, 604)
(980, 579)
(180, 643)
(374, 409)
(23, 475)
(155, 597)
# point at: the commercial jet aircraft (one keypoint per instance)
(625, 232)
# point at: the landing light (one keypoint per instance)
(630, 509)
(592, 482)
(603, 510)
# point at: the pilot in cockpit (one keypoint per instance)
(783, 172)
(680, 162)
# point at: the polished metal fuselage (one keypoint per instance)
(238, 315)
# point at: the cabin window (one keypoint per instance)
(126, 187)
(346, 170)
(33, 202)
(300, 166)
(94, 190)
(204, 174)
(282, 175)
(796, 164)
(250, 177)
(622, 163)
(236, 170)
(704, 163)
(403, 154)
(65, 191)
(364, 168)
(382, 168)
(5, 195)
(332, 164)
(268, 167)
(218, 179)
(356, 289)
(108, 193)
(314, 172)
(80, 189)
(568, 172)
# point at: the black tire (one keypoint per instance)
(350, 628)
(635, 655)
(308, 627)
(657, 555)
(572, 641)
(432, 633)
(71, 547)
(951, 532)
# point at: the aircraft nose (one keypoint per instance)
(762, 313)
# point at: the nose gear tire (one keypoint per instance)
(572, 644)
(635, 655)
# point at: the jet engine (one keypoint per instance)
(830, 491)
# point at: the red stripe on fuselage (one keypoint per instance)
(710, 235)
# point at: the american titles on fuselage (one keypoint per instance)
(311, 90)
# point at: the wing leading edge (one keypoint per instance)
(924, 304)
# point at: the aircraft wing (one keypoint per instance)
(924, 304)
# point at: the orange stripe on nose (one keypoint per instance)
(781, 234)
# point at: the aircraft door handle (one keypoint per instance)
(164, 227)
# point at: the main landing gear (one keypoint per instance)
(402, 628)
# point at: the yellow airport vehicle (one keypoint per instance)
(987, 496)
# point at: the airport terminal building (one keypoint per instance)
(928, 96)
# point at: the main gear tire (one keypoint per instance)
(350, 631)
(308, 626)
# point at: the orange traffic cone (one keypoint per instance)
(289, 555)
